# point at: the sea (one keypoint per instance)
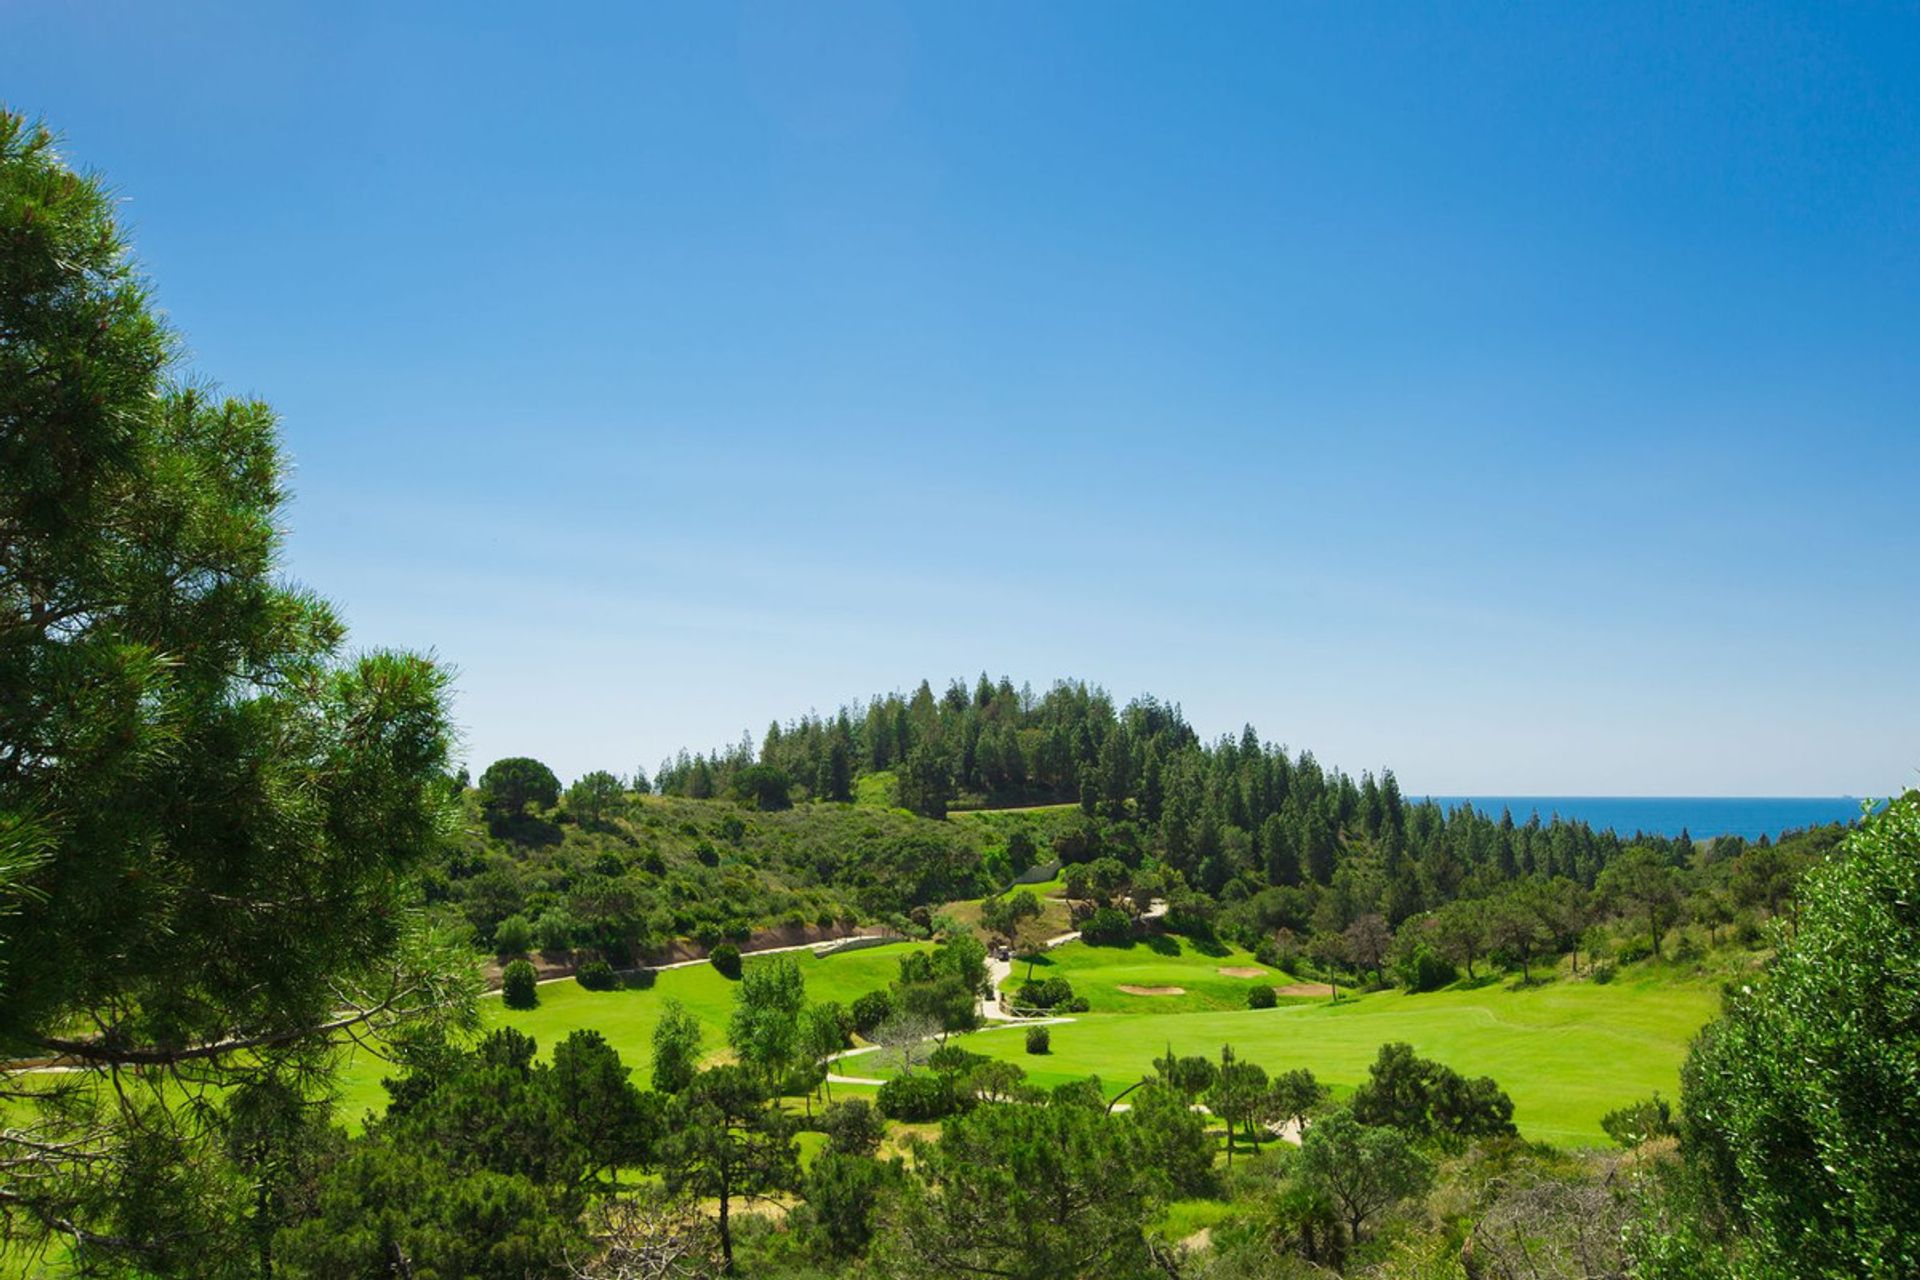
(1698, 816)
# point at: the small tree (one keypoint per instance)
(764, 1028)
(512, 936)
(1039, 1040)
(1641, 881)
(509, 786)
(726, 959)
(519, 986)
(728, 1142)
(1363, 1169)
(676, 1047)
(595, 795)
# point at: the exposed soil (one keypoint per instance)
(1151, 991)
(1242, 972)
(1304, 989)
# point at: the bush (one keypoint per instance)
(1603, 972)
(1636, 1122)
(512, 936)
(952, 1060)
(1044, 993)
(1633, 951)
(917, 1099)
(596, 975)
(852, 1127)
(1261, 997)
(1078, 1005)
(1424, 969)
(870, 1010)
(555, 930)
(726, 959)
(519, 986)
(1039, 1040)
(1107, 927)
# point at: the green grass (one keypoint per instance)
(1567, 1052)
(1166, 961)
(627, 1017)
(874, 790)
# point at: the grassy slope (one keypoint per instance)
(1098, 972)
(1568, 1052)
(626, 1018)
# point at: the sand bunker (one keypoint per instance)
(1243, 973)
(1304, 989)
(1152, 991)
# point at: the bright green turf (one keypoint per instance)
(627, 1017)
(1567, 1052)
(1098, 973)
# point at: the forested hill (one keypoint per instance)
(1244, 837)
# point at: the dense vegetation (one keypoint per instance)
(232, 857)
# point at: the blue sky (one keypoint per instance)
(1526, 398)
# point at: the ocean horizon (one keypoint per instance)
(1699, 816)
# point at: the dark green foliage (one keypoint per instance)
(595, 796)
(1801, 1104)
(763, 787)
(1051, 1192)
(1424, 1098)
(676, 1047)
(870, 1010)
(509, 786)
(211, 815)
(918, 1098)
(597, 975)
(726, 1140)
(512, 936)
(842, 1194)
(1261, 996)
(1107, 927)
(725, 959)
(1362, 1169)
(1039, 1040)
(1044, 994)
(1192, 1075)
(519, 985)
(1173, 1138)
(853, 1127)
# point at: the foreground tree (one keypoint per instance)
(1363, 1169)
(1047, 1192)
(728, 1142)
(1801, 1105)
(209, 816)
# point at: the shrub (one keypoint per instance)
(1078, 1005)
(726, 959)
(1261, 997)
(596, 975)
(852, 1127)
(952, 1060)
(1603, 972)
(512, 936)
(1039, 1040)
(1636, 1122)
(1633, 951)
(1424, 969)
(1107, 927)
(917, 1099)
(870, 1010)
(519, 987)
(1044, 993)
(554, 930)
(707, 854)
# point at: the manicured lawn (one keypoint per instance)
(627, 1017)
(1568, 1052)
(1098, 973)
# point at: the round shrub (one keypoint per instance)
(1261, 997)
(870, 1010)
(512, 936)
(917, 1099)
(1107, 927)
(1603, 972)
(726, 958)
(1077, 1005)
(519, 986)
(1044, 993)
(596, 975)
(852, 1127)
(1039, 1040)
(554, 930)
(1424, 969)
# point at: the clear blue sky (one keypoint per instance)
(1526, 398)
